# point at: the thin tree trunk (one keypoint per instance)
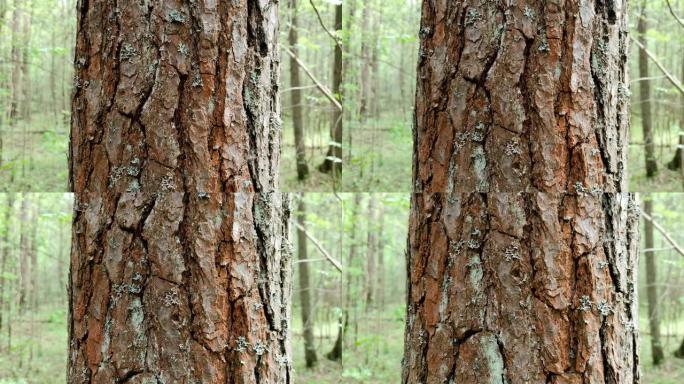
(351, 261)
(364, 81)
(24, 249)
(651, 287)
(16, 91)
(380, 250)
(370, 252)
(25, 62)
(333, 158)
(677, 162)
(296, 97)
(645, 95)
(33, 254)
(6, 248)
(305, 287)
(180, 264)
(533, 281)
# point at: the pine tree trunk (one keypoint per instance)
(522, 97)
(380, 253)
(16, 91)
(296, 96)
(180, 264)
(534, 281)
(364, 80)
(305, 288)
(24, 245)
(651, 286)
(645, 97)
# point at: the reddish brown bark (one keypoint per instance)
(534, 280)
(521, 97)
(522, 288)
(180, 265)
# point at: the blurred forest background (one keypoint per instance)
(356, 56)
(36, 77)
(35, 238)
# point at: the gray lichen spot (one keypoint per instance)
(511, 253)
(176, 17)
(183, 49)
(472, 16)
(197, 80)
(604, 309)
(585, 304)
(495, 363)
(241, 344)
(171, 298)
(528, 12)
(512, 148)
(259, 348)
(127, 52)
(480, 167)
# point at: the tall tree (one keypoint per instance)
(6, 248)
(645, 96)
(180, 266)
(305, 286)
(380, 256)
(333, 158)
(652, 286)
(296, 95)
(534, 280)
(370, 252)
(16, 91)
(24, 251)
(364, 80)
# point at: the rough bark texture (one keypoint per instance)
(645, 97)
(305, 287)
(180, 265)
(522, 288)
(522, 96)
(651, 287)
(371, 245)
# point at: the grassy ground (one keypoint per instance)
(35, 162)
(666, 180)
(41, 359)
(672, 369)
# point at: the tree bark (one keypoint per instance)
(651, 286)
(380, 252)
(333, 158)
(521, 97)
(296, 97)
(645, 95)
(677, 161)
(305, 288)
(533, 281)
(15, 53)
(180, 264)
(364, 80)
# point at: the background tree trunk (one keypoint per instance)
(6, 247)
(651, 286)
(364, 80)
(16, 92)
(305, 287)
(370, 252)
(180, 265)
(534, 281)
(333, 159)
(645, 97)
(24, 250)
(380, 252)
(296, 96)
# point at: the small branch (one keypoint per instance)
(671, 78)
(680, 21)
(319, 85)
(335, 38)
(318, 245)
(664, 233)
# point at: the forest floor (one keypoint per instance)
(40, 359)
(35, 162)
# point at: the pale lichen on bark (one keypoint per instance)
(522, 288)
(180, 268)
(521, 95)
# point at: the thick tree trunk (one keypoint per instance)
(645, 97)
(522, 97)
(651, 286)
(370, 252)
(305, 288)
(534, 281)
(296, 97)
(333, 158)
(180, 265)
